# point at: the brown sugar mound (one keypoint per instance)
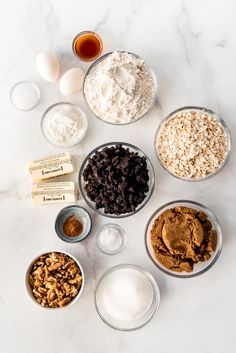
(181, 237)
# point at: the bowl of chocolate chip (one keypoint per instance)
(54, 280)
(116, 179)
(183, 238)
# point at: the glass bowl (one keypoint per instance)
(120, 235)
(84, 34)
(112, 320)
(29, 289)
(25, 95)
(56, 107)
(198, 268)
(219, 119)
(78, 212)
(151, 182)
(155, 87)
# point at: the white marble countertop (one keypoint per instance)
(191, 46)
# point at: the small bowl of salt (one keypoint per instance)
(25, 95)
(111, 238)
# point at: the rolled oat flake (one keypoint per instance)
(192, 144)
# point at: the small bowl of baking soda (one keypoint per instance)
(64, 125)
(111, 238)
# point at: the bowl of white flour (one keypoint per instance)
(120, 88)
(64, 125)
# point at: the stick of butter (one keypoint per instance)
(51, 166)
(49, 193)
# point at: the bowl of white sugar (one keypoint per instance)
(120, 88)
(64, 125)
(127, 297)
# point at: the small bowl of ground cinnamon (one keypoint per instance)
(73, 224)
(183, 238)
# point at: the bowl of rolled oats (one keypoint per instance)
(54, 280)
(193, 143)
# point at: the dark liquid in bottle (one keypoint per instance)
(87, 46)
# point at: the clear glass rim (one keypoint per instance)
(53, 106)
(154, 79)
(77, 239)
(29, 290)
(124, 238)
(156, 292)
(220, 120)
(219, 240)
(37, 90)
(84, 33)
(151, 174)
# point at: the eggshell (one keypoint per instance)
(71, 81)
(48, 66)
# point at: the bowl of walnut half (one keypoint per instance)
(54, 280)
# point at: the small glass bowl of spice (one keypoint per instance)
(87, 45)
(73, 224)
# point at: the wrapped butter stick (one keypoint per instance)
(52, 166)
(50, 193)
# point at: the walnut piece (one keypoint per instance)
(55, 279)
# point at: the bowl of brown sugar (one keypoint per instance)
(183, 238)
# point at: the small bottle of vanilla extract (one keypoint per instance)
(87, 45)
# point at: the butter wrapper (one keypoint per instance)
(50, 167)
(52, 193)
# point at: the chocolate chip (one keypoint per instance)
(116, 179)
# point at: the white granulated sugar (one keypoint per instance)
(125, 295)
(119, 89)
(192, 144)
(64, 125)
